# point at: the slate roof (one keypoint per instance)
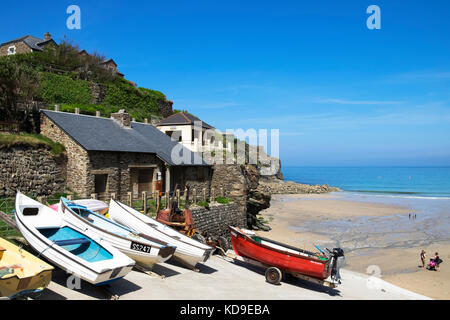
(181, 118)
(32, 42)
(105, 134)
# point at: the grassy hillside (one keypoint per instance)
(61, 76)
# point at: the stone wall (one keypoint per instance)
(117, 165)
(77, 157)
(21, 47)
(215, 220)
(232, 179)
(98, 92)
(34, 171)
(165, 107)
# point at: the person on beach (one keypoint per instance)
(437, 260)
(423, 257)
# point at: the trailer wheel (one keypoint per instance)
(273, 275)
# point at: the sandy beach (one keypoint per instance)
(378, 239)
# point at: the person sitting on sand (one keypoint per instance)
(423, 256)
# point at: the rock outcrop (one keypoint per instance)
(290, 187)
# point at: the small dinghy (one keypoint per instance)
(94, 205)
(146, 251)
(189, 251)
(280, 258)
(77, 252)
(21, 273)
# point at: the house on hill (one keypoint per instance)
(191, 132)
(117, 155)
(26, 44)
(29, 43)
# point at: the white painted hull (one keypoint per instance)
(123, 244)
(189, 251)
(94, 272)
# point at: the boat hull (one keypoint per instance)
(159, 252)
(30, 274)
(246, 247)
(189, 252)
(93, 272)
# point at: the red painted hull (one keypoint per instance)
(246, 247)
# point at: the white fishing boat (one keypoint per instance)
(189, 251)
(74, 250)
(146, 251)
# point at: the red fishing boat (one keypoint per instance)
(280, 258)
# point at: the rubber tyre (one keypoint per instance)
(273, 275)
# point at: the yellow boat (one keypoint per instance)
(21, 272)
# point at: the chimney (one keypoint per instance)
(122, 117)
(47, 36)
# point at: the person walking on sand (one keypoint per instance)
(423, 257)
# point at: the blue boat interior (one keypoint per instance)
(77, 243)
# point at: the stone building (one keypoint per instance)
(26, 44)
(117, 155)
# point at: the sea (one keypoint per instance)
(424, 191)
(418, 182)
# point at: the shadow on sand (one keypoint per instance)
(292, 280)
(200, 266)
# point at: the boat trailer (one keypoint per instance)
(274, 275)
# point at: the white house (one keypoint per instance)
(193, 133)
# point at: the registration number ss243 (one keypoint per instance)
(140, 247)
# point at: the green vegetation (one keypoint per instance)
(223, 200)
(30, 139)
(60, 75)
(140, 103)
(203, 204)
(55, 88)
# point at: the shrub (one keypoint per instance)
(223, 200)
(63, 89)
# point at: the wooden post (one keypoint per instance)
(130, 199)
(94, 196)
(222, 194)
(178, 197)
(194, 196)
(167, 198)
(144, 201)
(204, 194)
(113, 196)
(213, 195)
(186, 196)
(158, 200)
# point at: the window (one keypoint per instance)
(100, 181)
(12, 50)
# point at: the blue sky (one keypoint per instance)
(340, 94)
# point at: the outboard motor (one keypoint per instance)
(338, 256)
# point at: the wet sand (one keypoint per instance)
(378, 238)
